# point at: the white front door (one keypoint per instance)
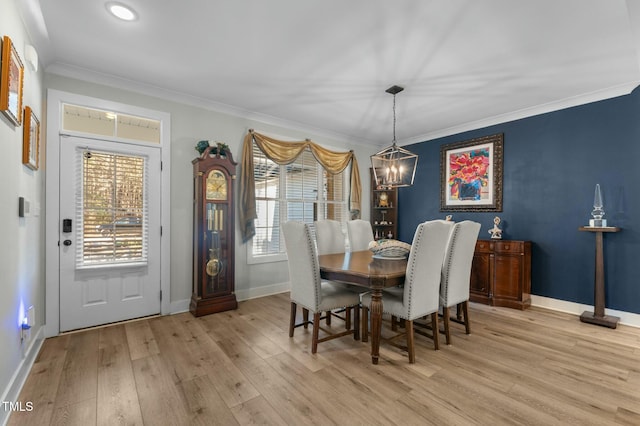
(110, 206)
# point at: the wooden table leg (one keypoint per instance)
(376, 324)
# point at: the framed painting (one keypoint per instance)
(11, 81)
(31, 139)
(471, 175)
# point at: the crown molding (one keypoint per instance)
(612, 92)
(78, 73)
(91, 76)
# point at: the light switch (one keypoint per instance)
(23, 207)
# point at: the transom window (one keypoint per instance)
(108, 123)
(302, 191)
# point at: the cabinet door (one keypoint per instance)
(480, 277)
(508, 277)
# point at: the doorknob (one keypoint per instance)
(67, 242)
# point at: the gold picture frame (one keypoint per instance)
(31, 139)
(11, 82)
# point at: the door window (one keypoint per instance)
(111, 208)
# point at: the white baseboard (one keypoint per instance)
(12, 392)
(268, 290)
(180, 306)
(626, 318)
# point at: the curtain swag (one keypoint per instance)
(282, 152)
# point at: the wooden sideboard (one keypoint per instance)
(501, 273)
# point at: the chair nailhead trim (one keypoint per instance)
(447, 268)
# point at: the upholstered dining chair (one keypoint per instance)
(329, 236)
(330, 239)
(419, 296)
(456, 272)
(311, 292)
(360, 234)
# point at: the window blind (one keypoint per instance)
(301, 191)
(111, 208)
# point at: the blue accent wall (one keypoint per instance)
(552, 163)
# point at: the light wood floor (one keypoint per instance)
(534, 367)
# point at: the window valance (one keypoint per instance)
(282, 152)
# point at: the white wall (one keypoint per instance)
(21, 250)
(189, 124)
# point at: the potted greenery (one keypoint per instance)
(201, 146)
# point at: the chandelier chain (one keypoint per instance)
(394, 119)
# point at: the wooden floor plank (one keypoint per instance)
(140, 339)
(257, 411)
(232, 386)
(341, 404)
(161, 402)
(79, 378)
(240, 367)
(117, 399)
(294, 407)
(629, 417)
(40, 388)
(568, 412)
(80, 413)
(205, 405)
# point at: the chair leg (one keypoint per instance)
(356, 322)
(465, 311)
(434, 327)
(305, 317)
(316, 332)
(328, 318)
(394, 323)
(365, 324)
(410, 341)
(347, 318)
(445, 317)
(292, 319)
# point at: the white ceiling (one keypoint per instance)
(325, 64)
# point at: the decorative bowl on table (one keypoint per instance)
(389, 249)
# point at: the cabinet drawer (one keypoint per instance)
(509, 246)
(484, 246)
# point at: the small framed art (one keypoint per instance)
(471, 175)
(11, 81)
(31, 139)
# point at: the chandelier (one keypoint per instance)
(394, 166)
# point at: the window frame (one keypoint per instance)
(282, 200)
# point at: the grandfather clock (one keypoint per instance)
(214, 173)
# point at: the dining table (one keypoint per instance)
(374, 273)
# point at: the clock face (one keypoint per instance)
(216, 185)
(384, 199)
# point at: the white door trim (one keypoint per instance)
(55, 99)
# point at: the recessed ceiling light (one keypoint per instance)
(121, 11)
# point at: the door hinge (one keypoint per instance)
(161, 231)
(161, 166)
(161, 295)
